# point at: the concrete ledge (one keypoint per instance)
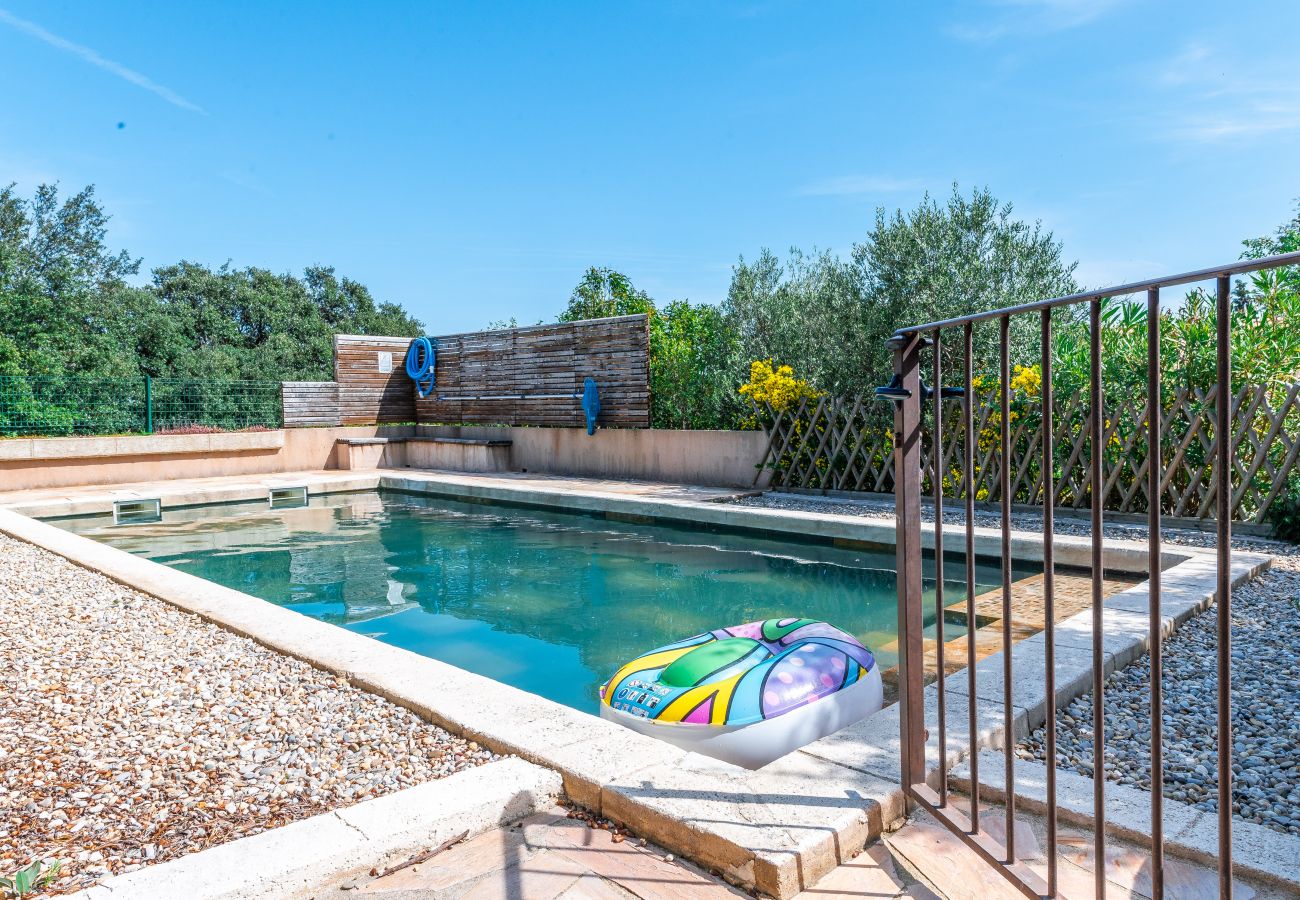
(140, 445)
(1257, 851)
(458, 455)
(306, 856)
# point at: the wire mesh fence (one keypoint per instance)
(53, 405)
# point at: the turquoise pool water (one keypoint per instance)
(549, 602)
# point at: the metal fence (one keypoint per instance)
(909, 395)
(53, 405)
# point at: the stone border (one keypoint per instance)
(777, 830)
(1258, 852)
(309, 855)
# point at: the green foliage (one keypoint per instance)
(234, 324)
(603, 293)
(691, 373)
(1284, 513)
(828, 317)
(810, 312)
(831, 318)
(66, 306)
(30, 878)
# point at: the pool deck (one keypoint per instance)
(777, 830)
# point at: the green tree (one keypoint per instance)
(808, 312)
(603, 293)
(66, 306)
(944, 260)
(830, 318)
(692, 367)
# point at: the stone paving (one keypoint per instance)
(570, 855)
(567, 855)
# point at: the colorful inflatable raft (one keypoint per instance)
(747, 694)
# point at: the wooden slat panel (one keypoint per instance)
(367, 395)
(310, 403)
(543, 359)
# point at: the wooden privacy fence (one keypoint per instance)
(530, 376)
(510, 376)
(847, 444)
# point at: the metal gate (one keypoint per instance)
(914, 400)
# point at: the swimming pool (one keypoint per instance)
(549, 602)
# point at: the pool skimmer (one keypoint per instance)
(136, 512)
(287, 496)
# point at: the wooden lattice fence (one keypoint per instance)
(846, 444)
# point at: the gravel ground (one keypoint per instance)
(132, 732)
(1266, 682)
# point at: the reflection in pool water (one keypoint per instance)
(549, 602)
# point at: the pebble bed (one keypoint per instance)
(1266, 682)
(132, 733)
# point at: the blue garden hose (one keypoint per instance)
(420, 361)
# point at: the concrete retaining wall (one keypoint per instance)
(722, 458)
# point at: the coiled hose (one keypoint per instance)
(420, 361)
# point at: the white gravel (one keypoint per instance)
(132, 732)
(1266, 682)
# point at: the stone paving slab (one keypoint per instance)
(545, 856)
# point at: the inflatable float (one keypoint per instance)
(747, 694)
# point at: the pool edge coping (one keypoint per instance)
(758, 828)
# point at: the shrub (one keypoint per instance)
(1284, 514)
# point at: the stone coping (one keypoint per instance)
(1257, 851)
(305, 857)
(777, 829)
(35, 449)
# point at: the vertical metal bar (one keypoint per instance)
(1155, 469)
(148, 405)
(936, 477)
(1223, 463)
(968, 480)
(1004, 493)
(1049, 589)
(1097, 423)
(907, 497)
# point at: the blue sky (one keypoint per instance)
(470, 160)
